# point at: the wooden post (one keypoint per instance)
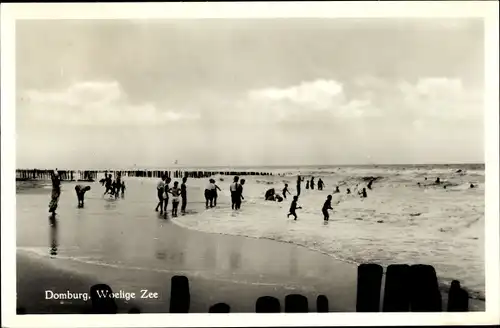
(219, 308)
(458, 298)
(180, 297)
(396, 291)
(267, 304)
(296, 303)
(424, 289)
(368, 290)
(321, 303)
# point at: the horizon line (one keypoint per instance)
(183, 167)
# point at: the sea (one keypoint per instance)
(398, 222)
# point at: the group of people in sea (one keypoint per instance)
(113, 187)
(179, 193)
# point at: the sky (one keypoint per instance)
(224, 92)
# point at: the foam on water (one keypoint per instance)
(399, 222)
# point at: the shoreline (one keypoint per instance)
(444, 288)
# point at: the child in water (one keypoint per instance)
(176, 192)
(285, 190)
(294, 207)
(321, 184)
(80, 194)
(327, 206)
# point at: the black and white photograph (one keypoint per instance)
(245, 165)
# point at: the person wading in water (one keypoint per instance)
(183, 195)
(56, 192)
(299, 182)
(160, 190)
(234, 190)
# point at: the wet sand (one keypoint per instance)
(128, 246)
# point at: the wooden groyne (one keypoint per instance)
(408, 288)
(92, 175)
(66, 175)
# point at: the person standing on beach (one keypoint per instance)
(209, 194)
(183, 195)
(176, 192)
(327, 206)
(165, 194)
(293, 208)
(240, 194)
(160, 190)
(56, 192)
(299, 182)
(215, 193)
(234, 189)
(321, 184)
(312, 183)
(80, 194)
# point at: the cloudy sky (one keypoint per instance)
(114, 93)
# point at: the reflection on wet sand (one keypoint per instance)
(53, 236)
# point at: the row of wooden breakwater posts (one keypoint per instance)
(73, 175)
(407, 289)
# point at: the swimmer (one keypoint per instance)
(362, 193)
(438, 181)
(307, 184)
(348, 191)
(327, 206)
(294, 207)
(472, 186)
(337, 190)
(370, 184)
(80, 194)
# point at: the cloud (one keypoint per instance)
(94, 103)
(370, 97)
